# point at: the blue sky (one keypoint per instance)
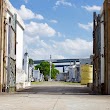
(62, 28)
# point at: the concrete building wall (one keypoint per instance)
(96, 53)
(106, 10)
(19, 47)
(19, 40)
(102, 68)
(19, 34)
(2, 42)
(36, 75)
(26, 66)
(72, 72)
(63, 77)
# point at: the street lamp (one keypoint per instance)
(50, 67)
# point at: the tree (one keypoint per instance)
(31, 62)
(44, 68)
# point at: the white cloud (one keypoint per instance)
(63, 2)
(30, 40)
(27, 14)
(87, 27)
(33, 42)
(39, 29)
(92, 8)
(53, 21)
(76, 48)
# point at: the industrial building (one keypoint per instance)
(101, 52)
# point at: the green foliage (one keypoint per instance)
(31, 62)
(54, 73)
(44, 68)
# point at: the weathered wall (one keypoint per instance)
(19, 34)
(107, 45)
(11, 31)
(1, 56)
(102, 50)
(96, 52)
(2, 44)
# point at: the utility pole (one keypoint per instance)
(50, 67)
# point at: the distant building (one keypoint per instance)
(62, 76)
(72, 74)
(85, 61)
(37, 76)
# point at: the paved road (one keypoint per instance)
(54, 96)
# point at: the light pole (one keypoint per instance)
(50, 67)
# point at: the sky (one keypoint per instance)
(60, 28)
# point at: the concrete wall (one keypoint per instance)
(72, 72)
(19, 35)
(26, 65)
(96, 53)
(20, 74)
(107, 46)
(2, 42)
(19, 47)
(102, 68)
(19, 38)
(36, 75)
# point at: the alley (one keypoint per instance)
(57, 88)
(54, 96)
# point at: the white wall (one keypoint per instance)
(19, 47)
(72, 73)
(8, 15)
(26, 65)
(19, 35)
(20, 74)
(36, 74)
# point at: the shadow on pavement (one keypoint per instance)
(56, 90)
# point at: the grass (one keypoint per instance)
(35, 83)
